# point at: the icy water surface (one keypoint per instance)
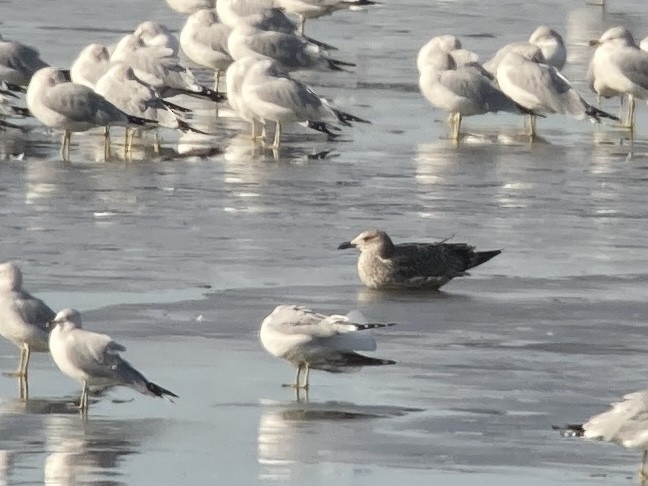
(180, 259)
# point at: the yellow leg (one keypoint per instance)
(642, 470)
(24, 389)
(306, 380)
(65, 146)
(106, 144)
(296, 384)
(83, 402)
(22, 366)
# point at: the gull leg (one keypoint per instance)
(277, 136)
(216, 80)
(21, 364)
(83, 402)
(65, 146)
(296, 384)
(156, 142)
(254, 129)
(106, 144)
(24, 389)
(302, 24)
(456, 126)
(631, 112)
(23, 370)
(642, 471)
(306, 380)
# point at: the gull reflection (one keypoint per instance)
(90, 453)
(6, 465)
(294, 433)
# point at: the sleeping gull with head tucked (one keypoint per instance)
(23, 318)
(92, 62)
(383, 264)
(93, 359)
(309, 340)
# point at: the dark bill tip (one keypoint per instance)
(67, 74)
(345, 245)
(593, 42)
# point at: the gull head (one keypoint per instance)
(149, 29)
(373, 240)
(544, 35)
(205, 17)
(66, 319)
(615, 36)
(122, 73)
(49, 77)
(10, 277)
(96, 52)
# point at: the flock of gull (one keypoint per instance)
(255, 46)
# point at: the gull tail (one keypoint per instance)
(345, 118)
(207, 93)
(337, 65)
(183, 126)
(320, 44)
(20, 111)
(356, 359)
(597, 114)
(570, 430)
(323, 127)
(6, 124)
(15, 87)
(372, 325)
(158, 391)
(482, 257)
(175, 108)
(136, 120)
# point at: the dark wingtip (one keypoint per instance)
(185, 127)
(597, 114)
(158, 391)
(322, 127)
(214, 95)
(570, 430)
(345, 245)
(136, 120)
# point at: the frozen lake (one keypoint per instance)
(180, 259)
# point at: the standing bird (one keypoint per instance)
(625, 423)
(619, 68)
(23, 318)
(462, 90)
(527, 80)
(92, 62)
(384, 265)
(448, 44)
(93, 359)
(204, 40)
(316, 341)
(272, 95)
(72, 107)
(155, 34)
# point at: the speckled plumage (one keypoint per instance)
(382, 264)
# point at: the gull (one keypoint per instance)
(448, 44)
(262, 15)
(155, 34)
(23, 318)
(643, 45)
(522, 75)
(463, 90)
(235, 12)
(93, 359)
(625, 423)
(71, 107)
(188, 7)
(204, 40)
(122, 88)
(157, 67)
(619, 67)
(18, 62)
(312, 9)
(92, 62)
(382, 264)
(291, 51)
(234, 77)
(309, 340)
(272, 95)
(550, 43)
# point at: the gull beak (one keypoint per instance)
(346, 245)
(49, 325)
(67, 74)
(594, 42)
